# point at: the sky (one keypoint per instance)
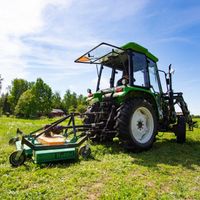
(42, 38)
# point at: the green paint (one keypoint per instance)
(99, 96)
(49, 155)
(27, 150)
(120, 97)
(136, 47)
(43, 156)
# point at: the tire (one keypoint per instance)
(85, 151)
(181, 130)
(14, 161)
(137, 124)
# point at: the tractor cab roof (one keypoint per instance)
(138, 48)
(113, 56)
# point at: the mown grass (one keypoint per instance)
(167, 171)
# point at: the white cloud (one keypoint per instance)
(124, 9)
(19, 18)
(42, 38)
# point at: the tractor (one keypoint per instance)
(132, 106)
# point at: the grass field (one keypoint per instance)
(167, 171)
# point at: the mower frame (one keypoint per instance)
(28, 145)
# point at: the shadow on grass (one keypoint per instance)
(55, 164)
(170, 153)
(164, 151)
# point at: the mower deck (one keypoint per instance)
(58, 153)
(44, 146)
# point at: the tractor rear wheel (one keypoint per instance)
(181, 130)
(137, 124)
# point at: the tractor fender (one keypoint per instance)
(148, 96)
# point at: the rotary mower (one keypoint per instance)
(53, 142)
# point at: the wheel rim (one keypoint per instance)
(17, 161)
(142, 125)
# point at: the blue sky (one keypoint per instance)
(42, 38)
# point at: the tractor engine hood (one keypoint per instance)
(105, 93)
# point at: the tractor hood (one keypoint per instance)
(105, 93)
(116, 93)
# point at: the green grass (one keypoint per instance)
(167, 171)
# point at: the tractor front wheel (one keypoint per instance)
(137, 124)
(180, 131)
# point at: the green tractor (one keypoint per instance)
(132, 106)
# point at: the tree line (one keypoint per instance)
(36, 99)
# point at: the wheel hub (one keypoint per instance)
(142, 124)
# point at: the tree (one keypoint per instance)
(56, 100)
(81, 100)
(4, 104)
(1, 105)
(43, 96)
(81, 108)
(1, 79)
(74, 100)
(30, 84)
(71, 102)
(27, 105)
(18, 87)
(33, 99)
(66, 102)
